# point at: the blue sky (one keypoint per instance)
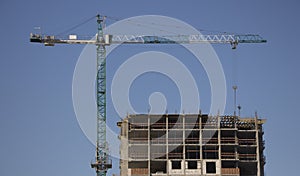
(38, 128)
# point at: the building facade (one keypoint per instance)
(191, 144)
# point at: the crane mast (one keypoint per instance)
(102, 162)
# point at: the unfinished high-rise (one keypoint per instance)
(191, 144)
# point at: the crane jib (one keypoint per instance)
(139, 39)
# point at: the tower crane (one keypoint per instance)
(103, 163)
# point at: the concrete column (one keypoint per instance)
(183, 142)
(219, 145)
(236, 146)
(149, 143)
(257, 146)
(201, 156)
(167, 144)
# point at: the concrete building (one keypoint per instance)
(193, 144)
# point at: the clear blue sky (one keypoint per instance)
(38, 128)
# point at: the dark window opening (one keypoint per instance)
(192, 164)
(176, 164)
(158, 166)
(211, 167)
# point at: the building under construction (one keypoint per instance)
(191, 144)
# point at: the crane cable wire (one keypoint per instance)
(141, 24)
(75, 26)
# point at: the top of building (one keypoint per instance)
(193, 120)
